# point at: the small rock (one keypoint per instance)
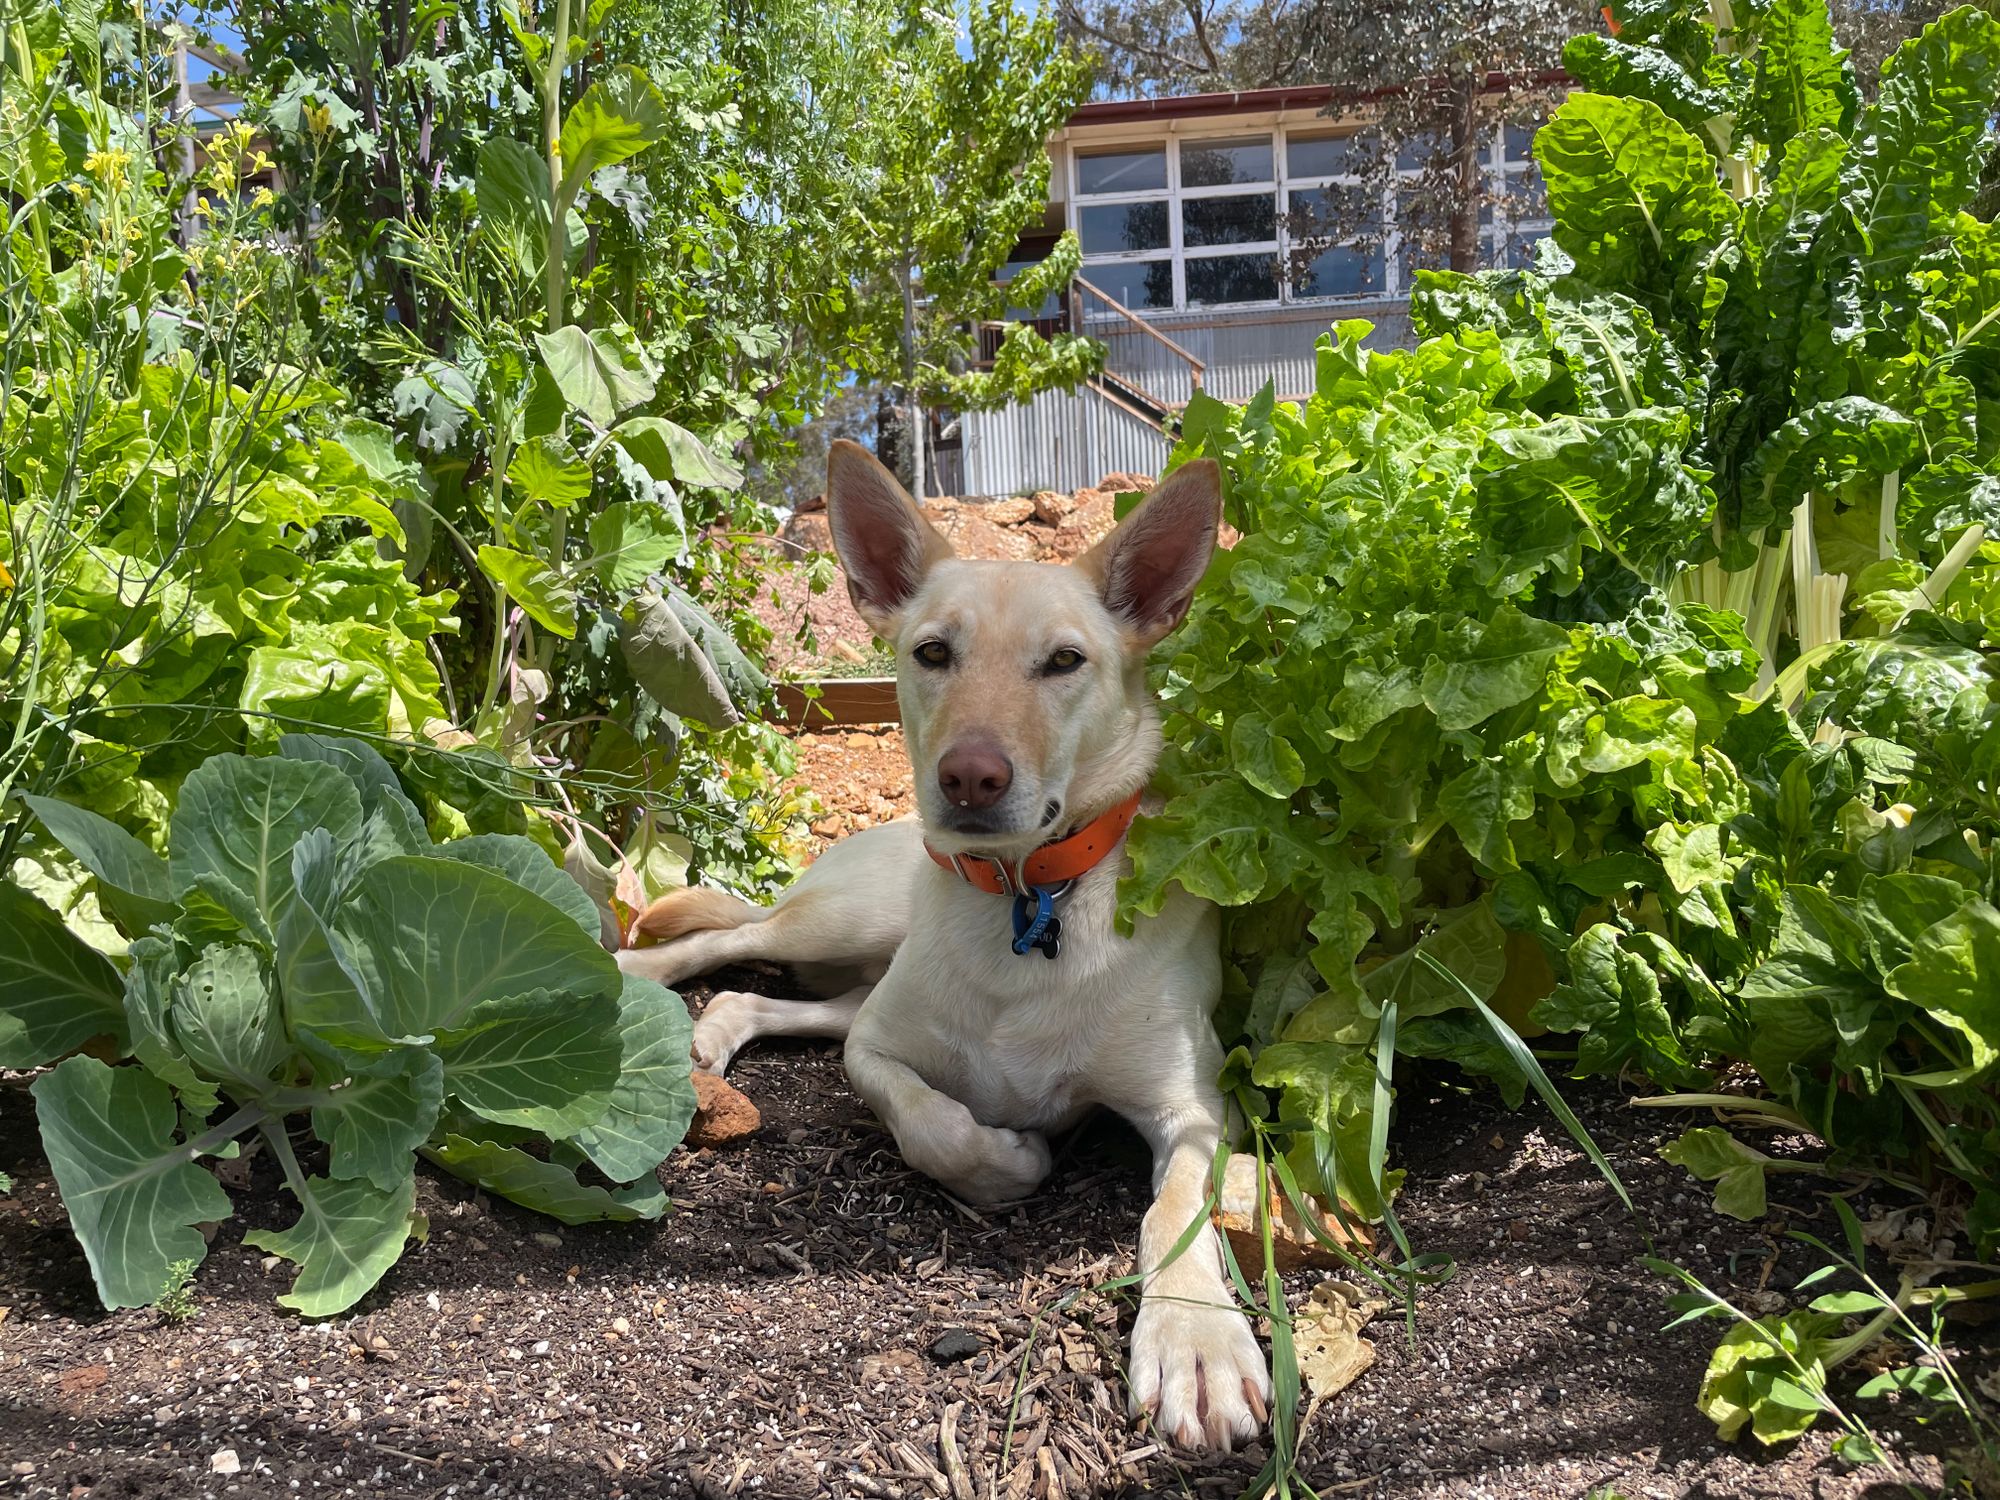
(1122, 482)
(477, 1323)
(540, 1348)
(1050, 506)
(1008, 512)
(722, 1114)
(621, 1327)
(548, 1241)
(225, 1461)
(955, 1344)
(859, 741)
(23, 1469)
(1294, 1242)
(239, 1346)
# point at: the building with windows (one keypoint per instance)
(1202, 269)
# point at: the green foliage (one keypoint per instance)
(1373, 761)
(317, 954)
(176, 1301)
(1770, 1376)
(964, 170)
(1517, 708)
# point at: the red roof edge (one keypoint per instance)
(1317, 96)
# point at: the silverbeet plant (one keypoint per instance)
(305, 955)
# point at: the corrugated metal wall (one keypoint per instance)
(1064, 442)
(1057, 441)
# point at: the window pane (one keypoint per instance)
(1229, 221)
(1216, 163)
(1413, 259)
(1333, 213)
(1122, 171)
(1527, 198)
(1520, 143)
(1419, 150)
(1146, 283)
(1325, 156)
(1343, 271)
(1232, 278)
(1107, 228)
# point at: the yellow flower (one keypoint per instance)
(319, 120)
(260, 162)
(80, 191)
(263, 198)
(108, 167)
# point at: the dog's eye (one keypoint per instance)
(933, 654)
(1066, 660)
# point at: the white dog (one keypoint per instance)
(973, 967)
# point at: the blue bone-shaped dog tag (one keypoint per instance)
(1036, 924)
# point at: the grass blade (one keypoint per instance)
(1531, 1066)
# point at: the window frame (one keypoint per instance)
(1496, 232)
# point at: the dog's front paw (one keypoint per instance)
(1198, 1372)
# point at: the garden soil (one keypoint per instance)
(814, 1319)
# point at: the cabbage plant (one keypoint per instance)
(305, 962)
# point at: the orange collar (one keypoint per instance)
(1052, 864)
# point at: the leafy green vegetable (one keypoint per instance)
(55, 994)
(1714, 1155)
(348, 1236)
(1768, 1376)
(319, 956)
(133, 1196)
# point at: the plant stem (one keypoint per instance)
(555, 294)
(228, 1130)
(274, 1135)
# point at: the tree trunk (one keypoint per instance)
(913, 400)
(888, 431)
(1469, 187)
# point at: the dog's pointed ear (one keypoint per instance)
(883, 540)
(1147, 569)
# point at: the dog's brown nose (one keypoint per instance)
(974, 775)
